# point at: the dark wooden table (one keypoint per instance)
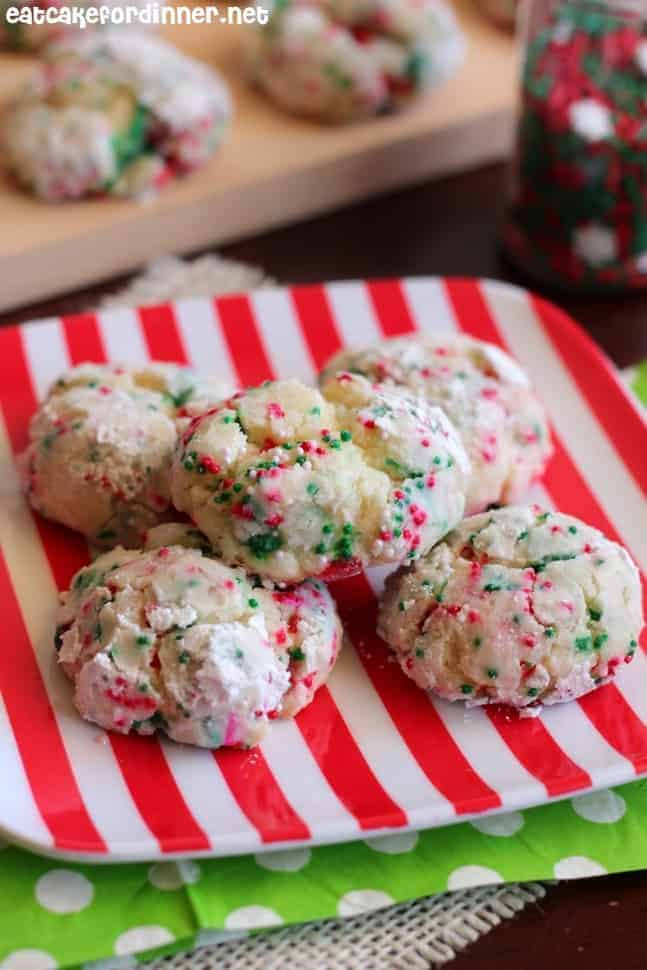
(451, 227)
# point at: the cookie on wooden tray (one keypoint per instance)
(486, 395)
(291, 482)
(517, 606)
(101, 446)
(343, 61)
(115, 112)
(172, 639)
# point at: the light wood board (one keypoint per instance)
(272, 169)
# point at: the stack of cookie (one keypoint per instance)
(226, 514)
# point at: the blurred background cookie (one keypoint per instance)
(343, 60)
(115, 112)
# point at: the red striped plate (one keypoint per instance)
(371, 753)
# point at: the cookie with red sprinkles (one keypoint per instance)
(485, 394)
(171, 639)
(519, 606)
(344, 60)
(292, 482)
(100, 447)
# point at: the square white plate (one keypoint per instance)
(372, 753)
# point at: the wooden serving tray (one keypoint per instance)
(271, 170)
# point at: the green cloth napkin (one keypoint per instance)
(61, 914)
(58, 913)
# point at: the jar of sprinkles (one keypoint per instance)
(577, 213)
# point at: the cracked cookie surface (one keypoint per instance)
(519, 606)
(171, 639)
(101, 445)
(291, 482)
(485, 394)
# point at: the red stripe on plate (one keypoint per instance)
(617, 723)
(259, 796)
(16, 391)
(538, 752)
(253, 366)
(317, 323)
(161, 334)
(346, 751)
(391, 307)
(41, 748)
(414, 716)
(141, 760)
(83, 339)
(623, 425)
(572, 494)
(66, 551)
(566, 484)
(244, 340)
(344, 766)
(471, 310)
(156, 794)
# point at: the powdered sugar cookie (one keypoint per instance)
(518, 606)
(172, 639)
(291, 482)
(342, 61)
(117, 111)
(484, 393)
(101, 446)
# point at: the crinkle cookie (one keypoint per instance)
(101, 446)
(171, 639)
(291, 482)
(343, 60)
(484, 393)
(26, 35)
(117, 112)
(517, 606)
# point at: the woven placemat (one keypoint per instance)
(419, 934)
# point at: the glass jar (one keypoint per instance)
(577, 211)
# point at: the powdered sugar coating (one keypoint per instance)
(101, 446)
(518, 606)
(292, 482)
(485, 394)
(172, 639)
(115, 111)
(345, 61)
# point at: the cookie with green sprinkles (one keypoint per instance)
(170, 638)
(485, 394)
(292, 482)
(519, 606)
(101, 444)
(343, 61)
(114, 112)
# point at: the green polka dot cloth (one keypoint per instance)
(108, 917)
(58, 914)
